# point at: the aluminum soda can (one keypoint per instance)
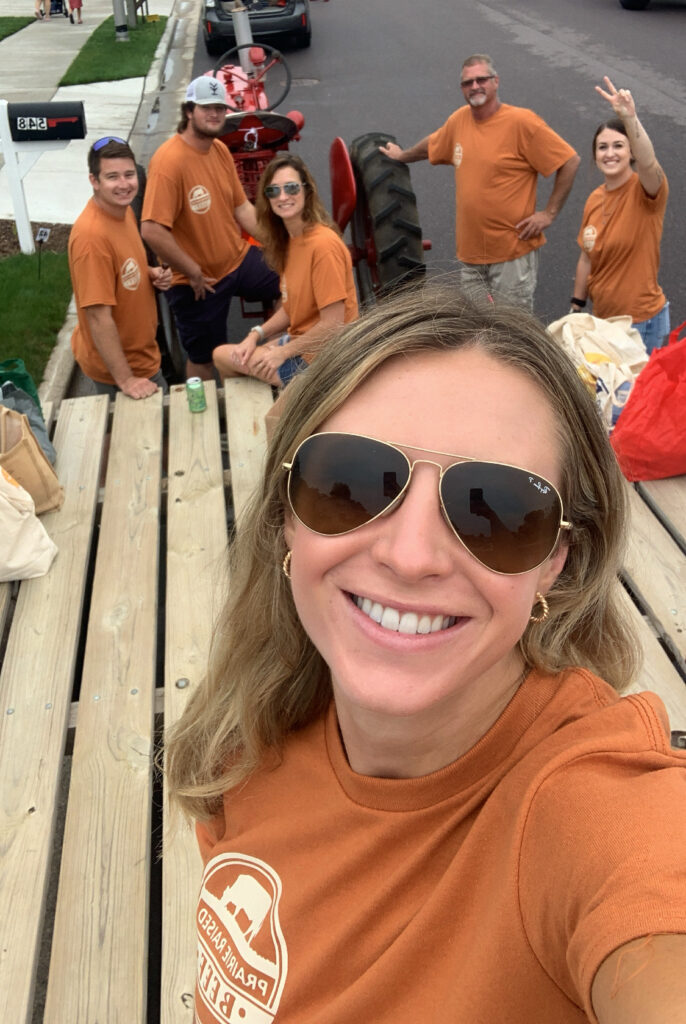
(195, 393)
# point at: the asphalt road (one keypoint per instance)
(393, 65)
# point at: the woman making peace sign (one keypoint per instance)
(621, 228)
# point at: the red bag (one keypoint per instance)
(650, 437)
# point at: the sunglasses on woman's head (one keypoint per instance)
(291, 188)
(508, 518)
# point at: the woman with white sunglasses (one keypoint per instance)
(419, 796)
(304, 246)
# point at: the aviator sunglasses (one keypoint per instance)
(291, 188)
(507, 517)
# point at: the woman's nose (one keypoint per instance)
(414, 540)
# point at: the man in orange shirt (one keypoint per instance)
(114, 341)
(193, 212)
(497, 151)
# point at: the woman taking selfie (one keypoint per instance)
(416, 798)
(304, 246)
(622, 222)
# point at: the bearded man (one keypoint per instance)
(498, 152)
(193, 212)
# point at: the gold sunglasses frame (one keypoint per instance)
(563, 524)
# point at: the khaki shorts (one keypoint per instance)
(514, 281)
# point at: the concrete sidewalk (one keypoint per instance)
(32, 62)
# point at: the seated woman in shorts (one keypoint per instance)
(417, 799)
(304, 246)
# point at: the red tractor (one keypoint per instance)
(370, 192)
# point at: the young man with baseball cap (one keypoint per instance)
(193, 212)
(114, 341)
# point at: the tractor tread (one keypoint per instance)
(387, 210)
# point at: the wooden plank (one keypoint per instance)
(658, 673)
(5, 599)
(247, 403)
(36, 687)
(668, 497)
(98, 969)
(196, 579)
(656, 571)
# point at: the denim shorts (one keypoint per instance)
(288, 370)
(655, 331)
(201, 323)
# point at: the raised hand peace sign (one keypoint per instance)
(620, 100)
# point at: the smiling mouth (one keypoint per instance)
(410, 623)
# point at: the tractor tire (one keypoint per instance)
(385, 226)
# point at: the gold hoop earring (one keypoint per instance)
(286, 565)
(545, 609)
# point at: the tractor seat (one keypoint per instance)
(263, 129)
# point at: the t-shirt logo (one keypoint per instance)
(200, 199)
(457, 155)
(130, 274)
(589, 236)
(242, 955)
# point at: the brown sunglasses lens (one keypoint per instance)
(507, 517)
(339, 482)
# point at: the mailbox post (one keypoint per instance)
(26, 131)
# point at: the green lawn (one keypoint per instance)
(32, 311)
(103, 59)
(8, 25)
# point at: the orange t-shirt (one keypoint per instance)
(490, 890)
(621, 231)
(318, 271)
(194, 195)
(497, 163)
(109, 267)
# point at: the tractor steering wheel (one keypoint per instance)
(255, 84)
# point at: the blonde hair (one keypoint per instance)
(265, 677)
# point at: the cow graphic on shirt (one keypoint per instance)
(242, 956)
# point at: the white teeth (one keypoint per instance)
(409, 623)
(376, 612)
(390, 619)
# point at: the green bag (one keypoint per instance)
(14, 370)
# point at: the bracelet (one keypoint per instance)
(578, 302)
(259, 331)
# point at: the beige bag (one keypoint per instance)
(26, 551)
(24, 459)
(609, 355)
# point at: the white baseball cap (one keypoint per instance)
(204, 91)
